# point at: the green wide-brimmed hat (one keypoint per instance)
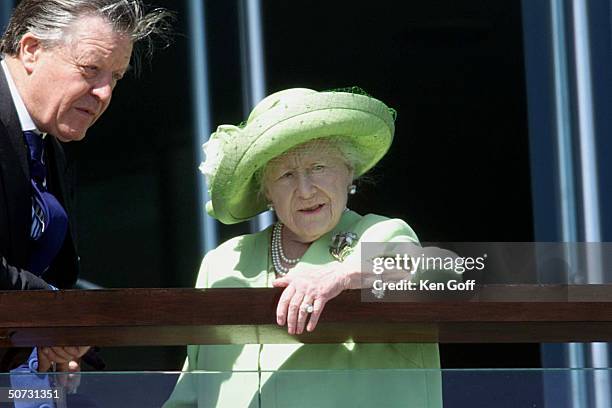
(278, 123)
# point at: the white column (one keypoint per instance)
(201, 114)
(590, 192)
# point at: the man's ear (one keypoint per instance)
(29, 51)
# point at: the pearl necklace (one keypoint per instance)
(278, 254)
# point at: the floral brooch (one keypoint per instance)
(342, 245)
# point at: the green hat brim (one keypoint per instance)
(365, 121)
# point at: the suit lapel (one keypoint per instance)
(14, 178)
(10, 120)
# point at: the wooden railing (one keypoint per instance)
(130, 317)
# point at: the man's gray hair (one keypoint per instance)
(48, 20)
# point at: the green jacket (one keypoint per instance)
(308, 375)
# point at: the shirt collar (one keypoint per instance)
(24, 117)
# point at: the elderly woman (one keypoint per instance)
(299, 154)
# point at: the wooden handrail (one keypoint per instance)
(131, 317)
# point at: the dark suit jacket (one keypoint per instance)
(15, 215)
(15, 205)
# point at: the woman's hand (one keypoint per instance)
(313, 287)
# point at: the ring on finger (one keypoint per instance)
(307, 307)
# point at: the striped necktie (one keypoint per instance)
(38, 175)
(49, 219)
